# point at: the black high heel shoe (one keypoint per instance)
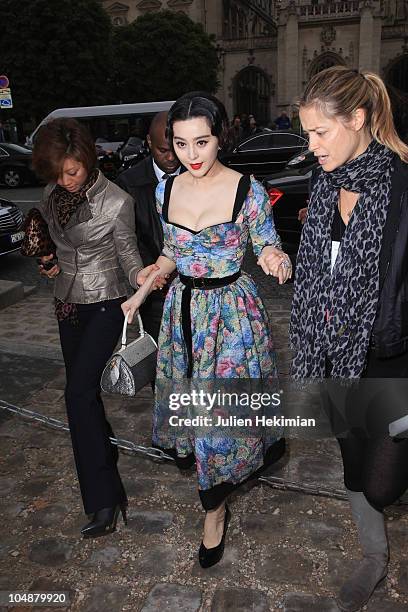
(210, 556)
(104, 522)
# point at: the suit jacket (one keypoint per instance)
(140, 182)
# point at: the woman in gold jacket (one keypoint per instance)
(91, 222)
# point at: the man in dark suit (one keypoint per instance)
(140, 182)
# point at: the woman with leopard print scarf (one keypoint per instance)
(350, 308)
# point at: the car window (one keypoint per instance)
(133, 141)
(256, 143)
(285, 139)
(3, 153)
(274, 140)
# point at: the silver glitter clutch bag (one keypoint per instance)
(133, 366)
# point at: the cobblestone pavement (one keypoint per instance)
(284, 550)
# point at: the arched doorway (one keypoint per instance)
(252, 94)
(323, 61)
(396, 79)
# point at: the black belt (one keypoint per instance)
(190, 283)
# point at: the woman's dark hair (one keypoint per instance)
(57, 140)
(200, 104)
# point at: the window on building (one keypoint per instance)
(398, 74)
(326, 60)
(397, 85)
(252, 94)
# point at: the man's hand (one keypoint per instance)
(302, 215)
(52, 272)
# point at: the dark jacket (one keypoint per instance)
(140, 182)
(390, 330)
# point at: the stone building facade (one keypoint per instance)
(269, 49)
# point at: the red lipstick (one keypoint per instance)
(196, 166)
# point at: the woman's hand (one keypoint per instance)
(159, 281)
(149, 279)
(133, 304)
(275, 262)
(52, 272)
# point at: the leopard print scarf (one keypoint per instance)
(333, 312)
(66, 204)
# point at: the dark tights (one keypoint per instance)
(377, 467)
(377, 464)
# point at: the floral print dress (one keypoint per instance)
(230, 328)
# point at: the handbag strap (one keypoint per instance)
(142, 292)
(141, 328)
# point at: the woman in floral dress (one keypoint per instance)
(214, 324)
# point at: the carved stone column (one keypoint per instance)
(370, 38)
(212, 16)
(288, 56)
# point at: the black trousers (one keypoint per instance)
(86, 347)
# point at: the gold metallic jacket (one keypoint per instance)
(97, 249)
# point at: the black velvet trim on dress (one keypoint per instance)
(242, 191)
(241, 195)
(212, 498)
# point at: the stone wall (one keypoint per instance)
(307, 36)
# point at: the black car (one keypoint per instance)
(15, 165)
(11, 222)
(129, 153)
(265, 153)
(132, 152)
(289, 192)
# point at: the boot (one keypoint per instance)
(104, 521)
(356, 592)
